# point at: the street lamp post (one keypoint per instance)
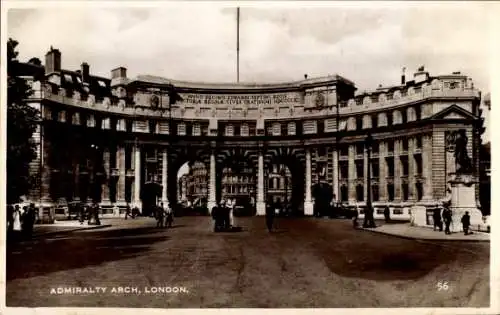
(368, 221)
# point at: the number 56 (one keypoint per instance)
(442, 285)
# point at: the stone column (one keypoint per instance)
(351, 174)
(382, 184)
(137, 179)
(427, 166)
(212, 183)
(335, 174)
(164, 178)
(412, 170)
(261, 204)
(397, 171)
(365, 175)
(107, 177)
(120, 185)
(308, 204)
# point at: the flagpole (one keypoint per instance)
(238, 44)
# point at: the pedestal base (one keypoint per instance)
(308, 208)
(261, 208)
(418, 216)
(463, 198)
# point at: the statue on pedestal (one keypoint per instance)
(462, 159)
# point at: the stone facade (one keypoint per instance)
(134, 134)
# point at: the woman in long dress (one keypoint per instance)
(17, 222)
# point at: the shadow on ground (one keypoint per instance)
(80, 250)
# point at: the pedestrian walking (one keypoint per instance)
(466, 222)
(387, 214)
(29, 219)
(81, 213)
(10, 218)
(160, 216)
(269, 217)
(170, 217)
(16, 226)
(438, 224)
(128, 211)
(355, 218)
(96, 214)
(447, 220)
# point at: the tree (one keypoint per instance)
(22, 120)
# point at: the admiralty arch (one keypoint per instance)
(122, 140)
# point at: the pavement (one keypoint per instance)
(303, 263)
(427, 233)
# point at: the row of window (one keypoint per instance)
(375, 146)
(390, 192)
(375, 167)
(201, 129)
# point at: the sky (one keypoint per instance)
(364, 42)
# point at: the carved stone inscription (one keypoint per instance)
(239, 99)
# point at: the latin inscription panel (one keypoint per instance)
(241, 99)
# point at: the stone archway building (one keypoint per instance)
(116, 134)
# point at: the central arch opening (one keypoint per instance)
(284, 180)
(191, 193)
(237, 185)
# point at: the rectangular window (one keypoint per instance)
(360, 190)
(229, 130)
(420, 191)
(245, 130)
(375, 147)
(196, 130)
(276, 129)
(404, 188)
(344, 169)
(344, 194)
(375, 193)
(359, 123)
(404, 165)
(390, 192)
(418, 162)
(374, 121)
(359, 169)
(390, 166)
(405, 145)
(291, 129)
(360, 147)
(375, 172)
(390, 145)
(344, 150)
(418, 142)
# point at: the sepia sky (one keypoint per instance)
(364, 42)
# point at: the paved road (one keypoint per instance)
(306, 263)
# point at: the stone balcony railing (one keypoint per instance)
(399, 99)
(279, 112)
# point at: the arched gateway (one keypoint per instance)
(130, 135)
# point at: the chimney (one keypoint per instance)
(403, 78)
(52, 61)
(305, 76)
(119, 72)
(85, 72)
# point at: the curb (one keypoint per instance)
(73, 230)
(424, 239)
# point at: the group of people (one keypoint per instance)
(446, 217)
(164, 216)
(21, 222)
(222, 215)
(89, 212)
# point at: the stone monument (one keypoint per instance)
(463, 186)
